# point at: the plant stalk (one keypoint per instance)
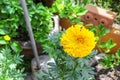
(29, 28)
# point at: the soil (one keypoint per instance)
(22, 34)
(107, 74)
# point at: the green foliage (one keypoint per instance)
(104, 3)
(66, 9)
(8, 65)
(2, 41)
(13, 45)
(11, 19)
(107, 45)
(53, 44)
(86, 1)
(101, 31)
(111, 60)
(41, 20)
(116, 7)
(10, 14)
(10, 60)
(65, 66)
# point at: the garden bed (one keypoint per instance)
(71, 47)
(107, 74)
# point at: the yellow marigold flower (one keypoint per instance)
(7, 38)
(78, 41)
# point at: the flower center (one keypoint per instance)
(81, 40)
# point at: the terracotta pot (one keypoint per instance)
(114, 34)
(48, 3)
(27, 49)
(97, 15)
(65, 23)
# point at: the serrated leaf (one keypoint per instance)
(51, 54)
(16, 47)
(51, 64)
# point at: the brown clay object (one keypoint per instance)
(65, 23)
(27, 48)
(114, 34)
(97, 15)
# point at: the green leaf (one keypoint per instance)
(82, 13)
(3, 31)
(1, 26)
(107, 45)
(118, 54)
(107, 50)
(89, 25)
(51, 64)
(2, 41)
(16, 47)
(111, 57)
(101, 30)
(102, 45)
(51, 55)
(111, 44)
(6, 62)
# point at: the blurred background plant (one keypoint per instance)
(41, 20)
(69, 10)
(12, 20)
(112, 60)
(11, 12)
(5, 41)
(13, 25)
(8, 65)
(10, 59)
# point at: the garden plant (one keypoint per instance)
(73, 49)
(73, 54)
(10, 59)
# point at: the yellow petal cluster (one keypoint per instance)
(7, 38)
(78, 41)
